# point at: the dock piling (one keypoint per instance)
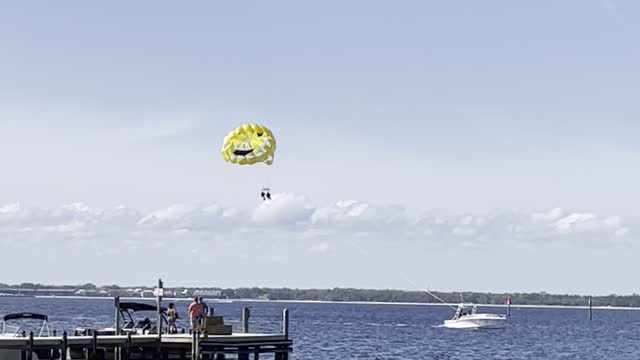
(285, 323)
(246, 313)
(243, 354)
(193, 345)
(127, 350)
(197, 350)
(590, 308)
(508, 307)
(64, 346)
(116, 301)
(94, 345)
(118, 351)
(159, 294)
(30, 346)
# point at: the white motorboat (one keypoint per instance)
(466, 317)
(17, 330)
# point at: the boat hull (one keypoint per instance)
(478, 321)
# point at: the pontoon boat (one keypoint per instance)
(126, 311)
(18, 328)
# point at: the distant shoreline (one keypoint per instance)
(333, 296)
(227, 301)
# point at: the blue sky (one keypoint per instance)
(429, 107)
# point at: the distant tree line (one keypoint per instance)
(36, 286)
(364, 295)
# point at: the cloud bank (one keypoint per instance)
(292, 217)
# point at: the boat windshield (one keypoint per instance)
(464, 310)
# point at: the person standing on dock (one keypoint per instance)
(205, 307)
(195, 313)
(172, 315)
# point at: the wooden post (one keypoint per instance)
(127, 351)
(30, 346)
(198, 345)
(590, 308)
(285, 323)
(193, 345)
(243, 353)
(508, 307)
(94, 345)
(87, 350)
(284, 355)
(159, 293)
(246, 313)
(116, 303)
(65, 346)
(117, 351)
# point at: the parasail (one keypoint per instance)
(249, 144)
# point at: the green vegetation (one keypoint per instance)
(344, 295)
(424, 297)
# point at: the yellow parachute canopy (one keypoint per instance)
(249, 144)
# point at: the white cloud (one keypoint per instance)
(295, 218)
(321, 248)
(622, 232)
(293, 241)
(464, 231)
(576, 222)
(552, 214)
(183, 216)
(283, 210)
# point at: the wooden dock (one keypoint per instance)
(175, 346)
(96, 344)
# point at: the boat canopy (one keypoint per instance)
(17, 316)
(135, 307)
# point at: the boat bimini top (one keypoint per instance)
(127, 309)
(16, 330)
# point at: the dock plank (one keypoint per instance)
(116, 340)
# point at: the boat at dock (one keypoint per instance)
(467, 317)
(14, 326)
(130, 323)
(142, 339)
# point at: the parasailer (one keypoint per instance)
(250, 144)
(266, 194)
